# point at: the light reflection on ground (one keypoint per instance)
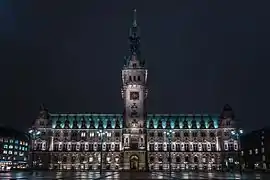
(130, 175)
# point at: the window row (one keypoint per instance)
(183, 147)
(85, 134)
(80, 147)
(185, 134)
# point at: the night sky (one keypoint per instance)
(200, 54)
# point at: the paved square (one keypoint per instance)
(129, 175)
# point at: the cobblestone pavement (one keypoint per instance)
(130, 175)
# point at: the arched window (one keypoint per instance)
(176, 126)
(193, 124)
(58, 124)
(117, 124)
(185, 124)
(151, 124)
(211, 124)
(152, 159)
(75, 124)
(178, 159)
(66, 124)
(159, 124)
(92, 124)
(64, 159)
(83, 124)
(100, 124)
(73, 159)
(202, 124)
(187, 159)
(109, 124)
(168, 124)
(195, 159)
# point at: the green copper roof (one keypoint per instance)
(154, 121)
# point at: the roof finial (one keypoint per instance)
(134, 18)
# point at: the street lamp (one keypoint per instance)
(237, 133)
(169, 136)
(101, 134)
(34, 133)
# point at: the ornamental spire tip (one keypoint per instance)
(134, 18)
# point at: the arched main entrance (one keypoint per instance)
(134, 162)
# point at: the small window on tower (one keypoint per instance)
(134, 95)
(130, 78)
(134, 65)
(139, 78)
(134, 78)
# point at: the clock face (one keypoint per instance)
(134, 95)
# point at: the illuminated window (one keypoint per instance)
(11, 140)
(26, 144)
(16, 147)
(262, 150)
(83, 134)
(4, 152)
(5, 146)
(250, 152)
(256, 151)
(15, 153)
(21, 153)
(16, 142)
(10, 147)
(21, 142)
(9, 152)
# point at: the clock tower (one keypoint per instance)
(134, 94)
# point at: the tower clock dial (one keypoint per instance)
(134, 95)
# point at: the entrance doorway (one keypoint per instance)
(134, 162)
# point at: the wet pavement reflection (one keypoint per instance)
(130, 175)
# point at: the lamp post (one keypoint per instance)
(101, 134)
(169, 136)
(34, 133)
(237, 133)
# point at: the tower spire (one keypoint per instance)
(134, 18)
(134, 38)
